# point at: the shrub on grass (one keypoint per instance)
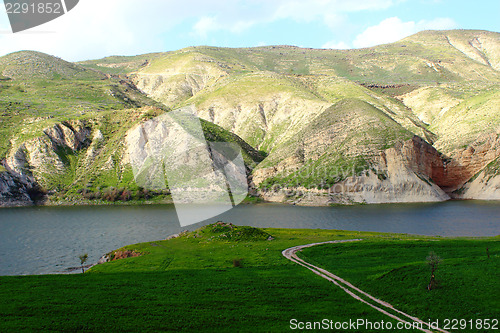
(433, 260)
(237, 263)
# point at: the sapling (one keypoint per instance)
(433, 261)
(83, 260)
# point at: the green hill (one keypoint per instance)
(35, 65)
(63, 130)
(302, 108)
(320, 146)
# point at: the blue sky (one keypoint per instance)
(98, 28)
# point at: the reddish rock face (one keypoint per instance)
(449, 173)
(420, 157)
(465, 163)
(429, 161)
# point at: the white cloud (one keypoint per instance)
(241, 26)
(238, 16)
(334, 20)
(393, 29)
(97, 28)
(205, 25)
(335, 45)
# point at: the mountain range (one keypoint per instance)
(413, 121)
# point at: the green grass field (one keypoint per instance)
(234, 279)
(397, 272)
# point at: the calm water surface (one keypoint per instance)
(40, 240)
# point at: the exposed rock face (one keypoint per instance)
(467, 162)
(401, 185)
(95, 147)
(40, 155)
(404, 173)
(266, 123)
(31, 161)
(171, 89)
(14, 190)
(418, 156)
(42, 158)
(413, 170)
(125, 254)
(181, 79)
(70, 134)
(324, 119)
(485, 185)
(17, 160)
(163, 146)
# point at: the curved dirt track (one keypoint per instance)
(356, 293)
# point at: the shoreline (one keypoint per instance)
(252, 201)
(59, 267)
(105, 257)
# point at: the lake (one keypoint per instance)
(44, 240)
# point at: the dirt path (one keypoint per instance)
(355, 292)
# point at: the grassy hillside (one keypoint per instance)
(98, 171)
(229, 278)
(267, 109)
(263, 108)
(65, 125)
(465, 275)
(446, 67)
(440, 85)
(44, 90)
(37, 65)
(459, 127)
(119, 65)
(457, 113)
(424, 58)
(323, 154)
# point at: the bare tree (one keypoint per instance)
(433, 260)
(83, 260)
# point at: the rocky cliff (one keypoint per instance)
(466, 162)
(407, 172)
(485, 185)
(15, 190)
(32, 164)
(87, 161)
(415, 120)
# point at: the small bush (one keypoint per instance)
(111, 194)
(237, 263)
(126, 195)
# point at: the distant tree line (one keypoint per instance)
(113, 194)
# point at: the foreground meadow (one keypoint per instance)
(228, 278)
